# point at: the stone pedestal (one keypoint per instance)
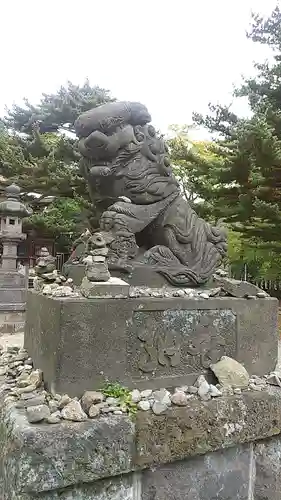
(12, 302)
(148, 342)
(226, 449)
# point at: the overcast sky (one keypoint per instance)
(173, 55)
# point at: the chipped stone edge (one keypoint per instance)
(228, 430)
(15, 429)
(20, 431)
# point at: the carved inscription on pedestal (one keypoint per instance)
(183, 341)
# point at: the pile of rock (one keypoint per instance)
(61, 287)
(227, 286)
(232, 376)
(48, 280)
(169, 292)
(23, 387)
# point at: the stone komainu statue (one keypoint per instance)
(146, 221)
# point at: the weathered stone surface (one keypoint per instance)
(183, 335)
(214, 391)
(236, 288)
(230, 373)
(39, 458)
(179, 399)
(67, 460)
(202, 427)
(136, 396)
(267, 456)
(37, 413)
(54, 418)
(159, 407)
(73, 411)
(141, 204)
(114, 287)
(222, 476)
(94, 411)
(89, 398)
(125, 487)
(144, 405)
(63, 401)
(12, 321)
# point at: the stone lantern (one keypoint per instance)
(12, 211)
(12, 283)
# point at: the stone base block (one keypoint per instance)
(220, 449)
(12, 295)
(11, 321)
(149, 342)
(113, 288)
(11, 279)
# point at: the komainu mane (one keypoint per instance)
(146, 222)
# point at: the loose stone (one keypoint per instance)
(179, 398)
(135, 396)
(105, 409)
(90, 398)
(146, 393)
(179, 293)
(237, 390)
(53, 405)
(144, 405)
(94, 411)
(114, 408)
(29, 395)
(159, 408)
(36, 378)
(64, 400)
(184, 388)
(204, 387)
(15, 364)
(28, 368)
(214, 391)
(274, 379)
(255, 387)
(162, 396)
(230, 373)
(112, 401)
(192, 389)
(73, 411)
(54, 418)
(37, 413)
(29, 388)
(118, 412)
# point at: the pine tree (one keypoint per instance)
(38, 150)
(250, 177)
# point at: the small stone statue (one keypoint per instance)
(95, 260)
(45, 264)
